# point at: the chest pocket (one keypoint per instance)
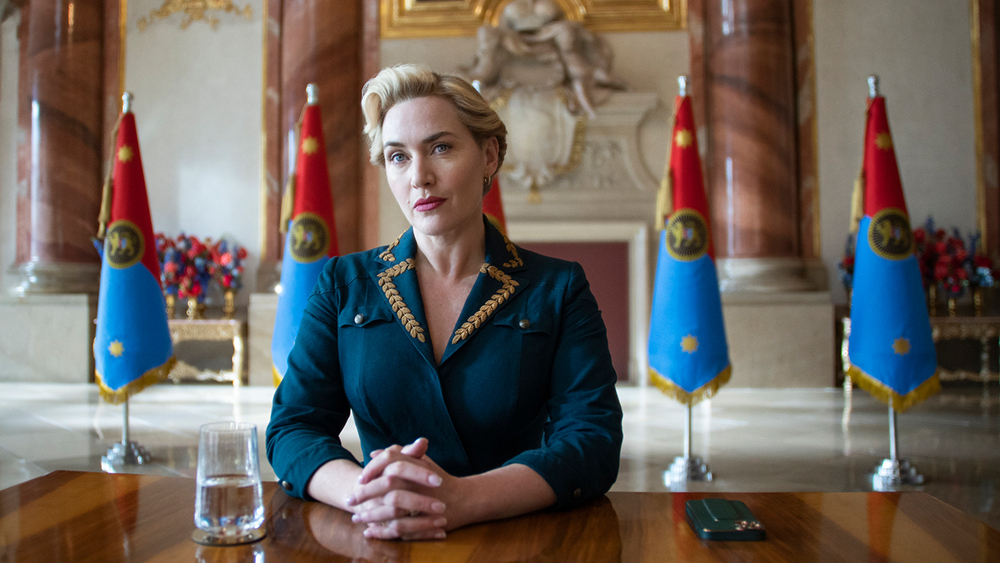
(531, 335)
(363, 316)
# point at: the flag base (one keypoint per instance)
(895, 473)
(121, 455)
(685, 469)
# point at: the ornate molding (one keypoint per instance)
(194, 10)
(450, 18)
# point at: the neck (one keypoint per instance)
(452, 255)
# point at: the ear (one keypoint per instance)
(491, 148)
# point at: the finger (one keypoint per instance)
(395, 504)
(417, 449)
(419, 528)
(377, 462)
(399, 465)
(384, 492)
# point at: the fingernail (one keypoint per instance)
(355, 518)
(367, 533)
(351, 501)
(440, 522)
(439, 535)
(437, 507)
(434, 480)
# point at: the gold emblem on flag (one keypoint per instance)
(124, 244)
(310, 237)
(687, 235)
(889, 234)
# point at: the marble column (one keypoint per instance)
(333, 44)
(744, 68)
(986, 81)
(59, 157)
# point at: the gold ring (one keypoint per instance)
(413, 513)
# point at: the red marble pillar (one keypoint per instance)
(59, 158)
(334, 44)
(986, 75)
(744, 69)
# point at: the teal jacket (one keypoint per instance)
(527, 377)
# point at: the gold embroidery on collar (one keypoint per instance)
(396, 300)
(491, 305)
(513, 250)
(387, 253)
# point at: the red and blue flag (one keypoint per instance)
(891, 351)
(132, 346)
(310, 240)
(688, 353)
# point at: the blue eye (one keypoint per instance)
(441, 147)
(396, 157)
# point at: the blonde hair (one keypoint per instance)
(401, 83)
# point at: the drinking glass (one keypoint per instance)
(229, 508)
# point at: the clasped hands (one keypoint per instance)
(403, 494)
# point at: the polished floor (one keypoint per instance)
(753, 440)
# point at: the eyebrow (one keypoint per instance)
(424, 141)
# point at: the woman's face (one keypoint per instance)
(434, 166)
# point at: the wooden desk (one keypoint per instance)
(72, 516)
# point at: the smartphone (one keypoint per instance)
(725, 520)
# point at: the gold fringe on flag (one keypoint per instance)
(706, 391)
(665, 198)
(275, 376)
(105, 214)
(151, 377)
(883, 393)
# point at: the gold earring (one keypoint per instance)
(486, 183)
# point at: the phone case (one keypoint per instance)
(721, 519)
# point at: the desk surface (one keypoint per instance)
(73, 516)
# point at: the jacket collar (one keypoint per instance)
(495, 287)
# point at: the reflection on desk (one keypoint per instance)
(73, 516)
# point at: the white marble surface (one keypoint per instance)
(47, 338)
(780, 340)
(260, 321)
(753, 439)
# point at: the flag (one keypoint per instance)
(891, 352)
(310, 237)
(493, 206)
(688, 355)
(132, 346)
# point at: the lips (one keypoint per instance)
(427, 203)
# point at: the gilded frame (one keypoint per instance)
(452, 18)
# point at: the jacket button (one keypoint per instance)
(286, 485)
(525, 323)
(577, 493)
(359, 318)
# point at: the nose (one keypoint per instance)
(421, 173)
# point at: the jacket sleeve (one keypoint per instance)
(582, 440)
(310, 407)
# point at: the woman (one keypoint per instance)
(478, 372)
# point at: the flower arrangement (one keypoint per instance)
(944, 259)
(228, 259)
(188, 266)
(846, 264)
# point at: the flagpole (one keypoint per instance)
(126, 452)
(687, 467)
(894, 471)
